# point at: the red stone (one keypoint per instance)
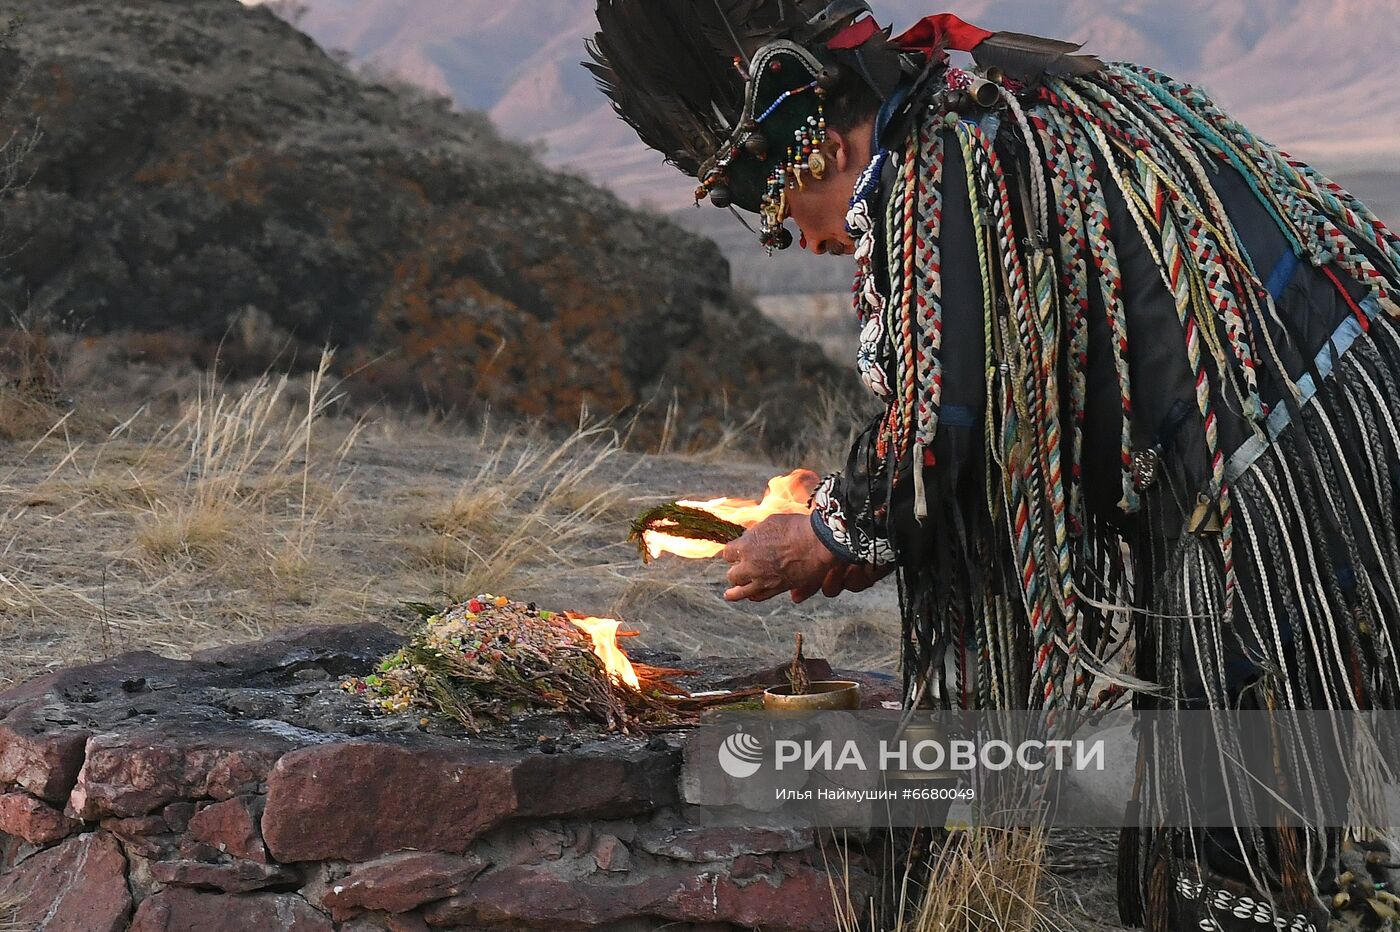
(596, 785)
(407, 923)
(544, 844)
(46, 764)
(77, 886)
(139, 772)
(801, 903)
(385, 922)
(751, 865)
(610, 854)
(528, 897)
(192, 850)
(525, 897)
(182, 910)
(428, 800)
(237, 877)
(232, 827)
(457, 795)
(177, 815)
(401, 882)
(140, 834)
(38, 823)
(722, 843)
(137, 825)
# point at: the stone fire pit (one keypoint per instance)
(244, 790)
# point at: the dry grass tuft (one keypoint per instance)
(529, 514)
(977, 880)
(172, 537)
(197, 533)
(986, 879)
(32, 399)
(722, 438)
(24, 416)
(251, 484)
(10, 921)
(831, 424)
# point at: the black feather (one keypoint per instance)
(665, 77)
(753, 23)
(1027, 58)
(669, 66)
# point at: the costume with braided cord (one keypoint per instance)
(1139, 373)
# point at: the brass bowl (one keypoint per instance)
(821, 696)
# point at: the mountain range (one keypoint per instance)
(1308, 76)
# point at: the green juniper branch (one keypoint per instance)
(682, 521)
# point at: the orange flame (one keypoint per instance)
(604, 633)
(786, 495)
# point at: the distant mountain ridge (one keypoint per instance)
(1302, 74)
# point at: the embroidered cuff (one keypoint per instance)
(845, 539)
(825, 535)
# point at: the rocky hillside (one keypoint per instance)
(207, 173)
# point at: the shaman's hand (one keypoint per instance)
(779, 554)
(846, 577)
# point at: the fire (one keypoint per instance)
(604, 633)
(786, 495)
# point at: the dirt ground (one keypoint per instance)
(166, 512)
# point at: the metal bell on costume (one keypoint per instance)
(830, 77)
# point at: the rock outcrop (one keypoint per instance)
(207, 174)
(244, 789)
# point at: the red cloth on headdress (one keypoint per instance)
(942, 31)
(929, 35)
(855, 35)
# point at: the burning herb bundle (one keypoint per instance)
(489, 659)
(677, 520)
(699, 530)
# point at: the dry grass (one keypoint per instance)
(183, 513)
(169, 536)
(24, 417)
(977, 880)
(529, 508)
(727, 438)
(10, 921)
(831, 426)
(251, 475)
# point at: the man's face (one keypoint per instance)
(819, 207)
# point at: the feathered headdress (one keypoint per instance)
(732, 91)
(728, 90)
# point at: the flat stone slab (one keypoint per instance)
(456, 795)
